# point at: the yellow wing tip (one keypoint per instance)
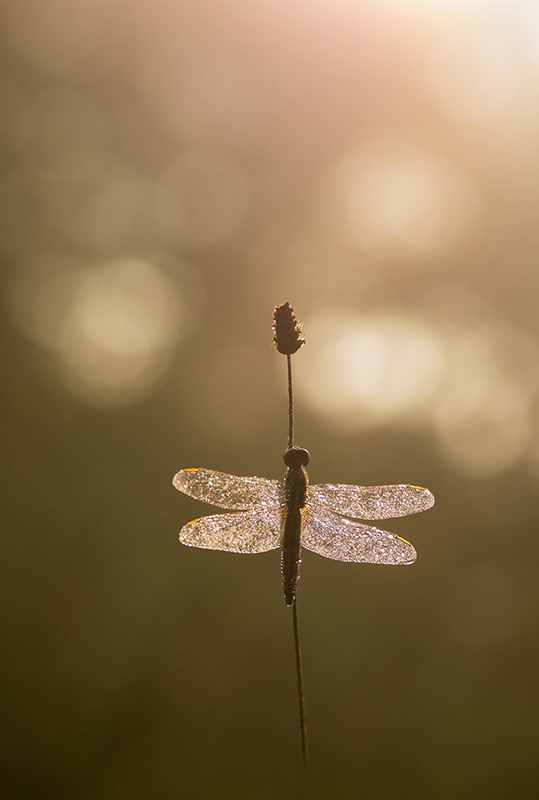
(403, 540)
(414, 557)
(191, 522)
(178, 476)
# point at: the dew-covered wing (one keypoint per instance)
(227, 491)
(370, 502)
(253, 531)
(343, 539)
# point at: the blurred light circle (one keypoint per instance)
(369, 370)
(109, 209)
(112, 326)
(472, 383)
(398, 202)
(483, 416)
(488, 438)
(201, 199)
(478, 73)
(528, 24)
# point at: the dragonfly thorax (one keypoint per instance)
(296, 456)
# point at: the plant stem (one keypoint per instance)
(290, 404)
(301, 693)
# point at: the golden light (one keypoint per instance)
(397, 202)
(488, 437)
(483, 417)
(480, 73)
(471, 383)
(109, 210)
(369, 370)
(112, 327)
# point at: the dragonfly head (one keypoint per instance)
(296, 456)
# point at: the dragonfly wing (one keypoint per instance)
(227, 491)
(343, 539)
(253, 531)
(370, 502)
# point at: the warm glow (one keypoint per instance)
(471, 383)
(370, 370)
(112, 327)
(480, 73)
(372, 156)
(397, 202)
(107, 209)
(483, 417)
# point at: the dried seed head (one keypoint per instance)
(287, 333)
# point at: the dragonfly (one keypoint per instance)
(291, 515)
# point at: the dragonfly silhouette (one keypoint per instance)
(291, 515)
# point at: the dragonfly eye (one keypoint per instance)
(296, 455)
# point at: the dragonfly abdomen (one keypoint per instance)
(295, 486)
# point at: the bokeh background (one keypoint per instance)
(171, 170)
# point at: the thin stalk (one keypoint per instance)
(297, 645)
(290, 404)
(301, 693)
